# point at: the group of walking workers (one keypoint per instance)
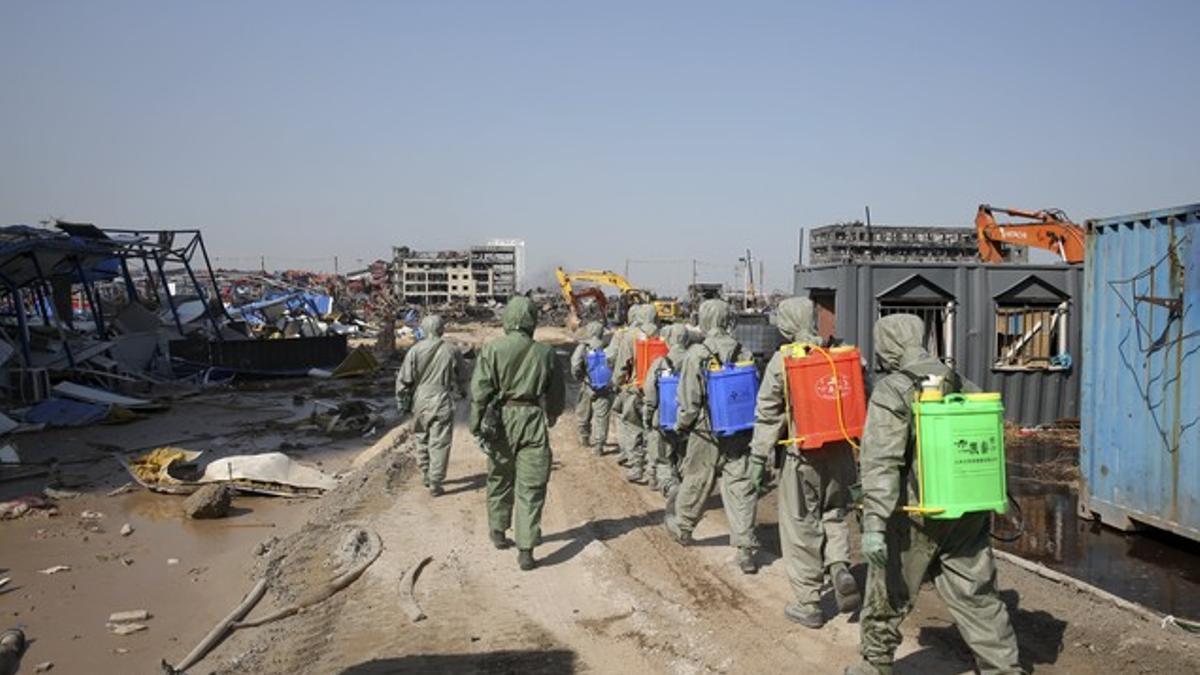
(518, 392)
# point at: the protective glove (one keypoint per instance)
(483, 446)
(758, 473)
(856, 494)
(647, 420)
(404, 402)
(874, 548)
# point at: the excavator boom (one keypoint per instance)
(1049, 229)
(667, 309)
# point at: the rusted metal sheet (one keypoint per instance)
(1141, 371)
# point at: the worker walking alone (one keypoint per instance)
(592, 368)
(517, 394)
(664, 450)
(431, 375)
(904, 549)
(814, 495)
(708, 455)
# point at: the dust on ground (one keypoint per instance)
(612, 593)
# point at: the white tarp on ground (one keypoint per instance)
(175, 470)
(92, 395)
(268, 467)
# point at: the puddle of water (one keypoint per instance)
(1157, 570)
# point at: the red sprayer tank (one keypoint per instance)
(648, 349)
(825, 394)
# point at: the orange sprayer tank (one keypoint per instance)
(648, 349)
(818, 380)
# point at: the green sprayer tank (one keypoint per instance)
(960, 454)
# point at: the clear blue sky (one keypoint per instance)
(597, 131)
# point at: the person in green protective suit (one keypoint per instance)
(814, 496)
(663, 448)
(708, 455)
(517, 394)
(430, 376)
(631, 435)
(594, 404)
(618, 350)
(904, 549)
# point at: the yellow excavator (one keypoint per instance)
(668, 310)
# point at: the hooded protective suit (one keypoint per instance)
(629, 398)
(663, 448)
(956, 554)
(813, 486)
(431, 373)
(709, 455)
(593, 406)
(522, 380)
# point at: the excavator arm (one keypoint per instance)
(1048, 229)
(629, 294)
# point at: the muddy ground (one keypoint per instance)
(612, 592)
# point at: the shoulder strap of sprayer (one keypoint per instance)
(952, 385)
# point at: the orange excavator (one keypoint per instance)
(1048, 229)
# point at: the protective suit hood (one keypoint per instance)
(593, 331)
(649, 317)
(899, 340)
(432, 326)
(795, 319)
(676, 336)
(714, 317)
(520, 315)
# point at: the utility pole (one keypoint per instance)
(262, 263)
(335, 266)
(870, 237)
(627, 268)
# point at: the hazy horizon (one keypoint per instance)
(595, 132)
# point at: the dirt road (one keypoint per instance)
(612, 593)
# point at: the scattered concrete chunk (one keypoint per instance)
(44, 667)
(126, 628)
(210, 501)
(126, 530)
(56, 569)
(130, 616)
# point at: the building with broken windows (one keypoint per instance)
(479, 275)
(854, 241)
(1013, 329)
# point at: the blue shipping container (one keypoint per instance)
(1140, 454)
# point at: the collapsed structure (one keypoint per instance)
(856, 241)
(480, 275)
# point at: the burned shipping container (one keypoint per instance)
(1140, 454)
(1009, 328)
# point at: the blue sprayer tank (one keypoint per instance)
(668, 401)
(732, 393)
(598, 370)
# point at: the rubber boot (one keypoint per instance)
(745, 561)
(635, 475)
(585, 440)
(12, 648)
(425, 478)
(680, 535)
(807, 615)
(500, 541)
(651, 480)
(865, 668)
(525, 560)
(598, 450)
(435, 490)
(845, 588)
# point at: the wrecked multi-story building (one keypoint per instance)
(479, 275)
(856, 242)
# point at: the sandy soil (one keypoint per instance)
(612, 593)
